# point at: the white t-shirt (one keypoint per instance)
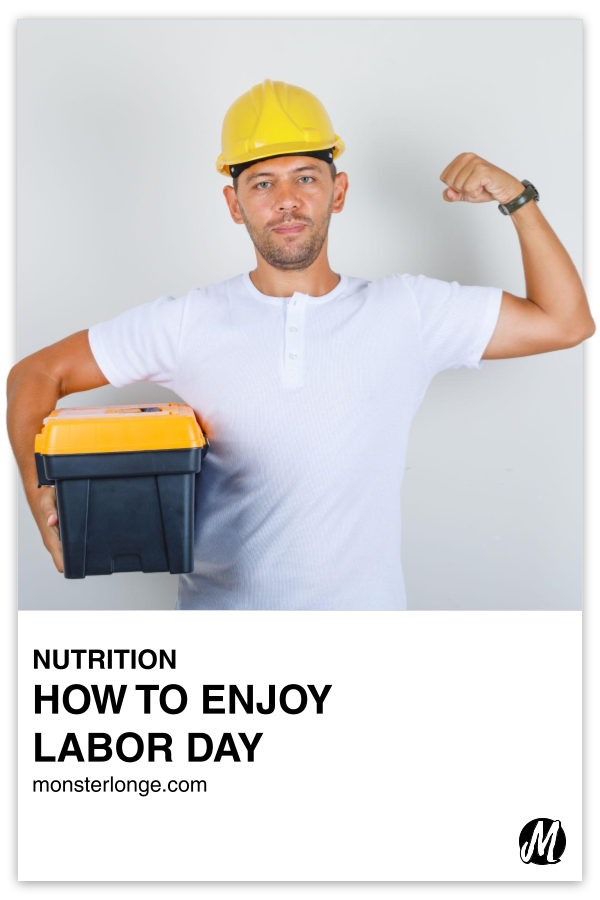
(307, 402)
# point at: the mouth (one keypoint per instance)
(289, 229)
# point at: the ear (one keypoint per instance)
(340, 187)
(232, 203)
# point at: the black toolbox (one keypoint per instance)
(125, 486)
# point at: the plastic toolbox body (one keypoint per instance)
(123, 510)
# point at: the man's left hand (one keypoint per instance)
(475, 180)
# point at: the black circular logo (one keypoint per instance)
(542, 841)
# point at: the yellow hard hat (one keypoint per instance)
(272, 119)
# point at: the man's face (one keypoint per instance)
(286, 204)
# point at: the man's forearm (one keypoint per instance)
(551, 279)
(31, 397)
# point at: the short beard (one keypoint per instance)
(298, 254)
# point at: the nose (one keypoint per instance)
(286, 197)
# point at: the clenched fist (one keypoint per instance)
(475, 180)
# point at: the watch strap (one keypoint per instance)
(530, 193)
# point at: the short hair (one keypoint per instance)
(332, 169)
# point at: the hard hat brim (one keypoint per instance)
(277, 149)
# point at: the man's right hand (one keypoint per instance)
(43, 506)
(34, 386)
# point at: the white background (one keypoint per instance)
(119, 126)
(441, 737)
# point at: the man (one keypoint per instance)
(305, 380)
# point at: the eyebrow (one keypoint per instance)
(271, 174)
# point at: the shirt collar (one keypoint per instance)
(267, 298)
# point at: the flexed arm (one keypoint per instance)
(556, 313)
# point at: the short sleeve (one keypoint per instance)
(456, 322)
(140, 344)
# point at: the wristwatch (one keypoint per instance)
(530, 193)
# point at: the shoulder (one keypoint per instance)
(398, 291)
(216, 289)
(410, 283)
(210, 304)
(428, 295)
(397, 284)
(216, 292)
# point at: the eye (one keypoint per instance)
(306, 176)
(262, 182)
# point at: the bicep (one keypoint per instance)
(522, 329)
(70, 363)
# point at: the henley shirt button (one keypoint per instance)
(293, 355)
(293, 328)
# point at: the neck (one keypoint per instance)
(316, 280)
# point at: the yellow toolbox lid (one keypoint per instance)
(118, 429)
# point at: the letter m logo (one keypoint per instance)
(542, 842)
